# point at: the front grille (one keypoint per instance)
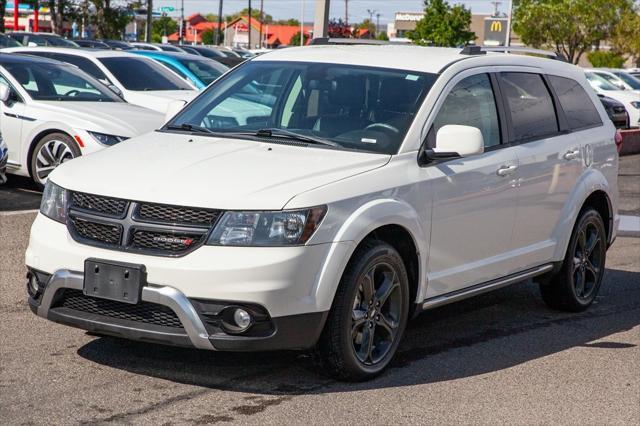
(104, 233)
(176, 214)
(144, 312)
(99, 204)
(126, 225)
(165, 241)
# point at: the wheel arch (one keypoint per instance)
(37, 136)
(392, 221)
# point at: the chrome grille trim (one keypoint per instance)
(144, 236)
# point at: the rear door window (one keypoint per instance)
(533, 114)
(575, 102)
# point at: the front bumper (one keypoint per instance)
(193, 327)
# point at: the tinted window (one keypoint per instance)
(206, 70)
(141, 74)
(576, 104)
(84, 64)
(532, 111)
(368, 109)
(598, 82)
(58, 82)
(471, 103)
(633, 82)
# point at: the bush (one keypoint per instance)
(605, 59)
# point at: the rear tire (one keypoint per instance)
(368, 316)
(51, 151)
(576, 285)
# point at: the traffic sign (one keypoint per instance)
(167, 9)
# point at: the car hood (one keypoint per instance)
(159, 100)
(202, 171)
(115, 118)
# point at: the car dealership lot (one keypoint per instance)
(502, 357)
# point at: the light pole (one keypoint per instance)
(371, 12)
(249, 31)
(302, 25)
(377, 23)
(321, 19)
(147, 37)
(508, 40)
(180, 40)
(219, 32)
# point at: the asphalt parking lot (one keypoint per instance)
(500, 358)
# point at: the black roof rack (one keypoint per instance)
(323, 41)
(482, 50)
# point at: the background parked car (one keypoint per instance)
(158, 47)
(140, 81)
(198, 70)
(6, 41)
(41, 39)
(117, 44)
(93, 44)
(53, 112)
(616, 112)
(4, 156)
(630, 99)
(618, 78)
(217, 55)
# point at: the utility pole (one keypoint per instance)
(508, 40)
(321, 19)
(219, 32)
(147, 37)
(180, 40)
(262, 19)
(302, 25)
(249, 32)
(371, 13)
(346, 12)
(377, 23)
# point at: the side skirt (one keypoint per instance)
(477, 289)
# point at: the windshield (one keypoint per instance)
(206, 70)
(633, 82)
(142, 74)
(352, 107)
(600, 83)
(61, 42)
(8, 41)
(59, 82)
(210, 53)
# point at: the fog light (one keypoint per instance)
(242, 319)
(32, 284)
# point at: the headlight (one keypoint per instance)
(635, 104)
(108, 140)
(54, 202)
(279, 228)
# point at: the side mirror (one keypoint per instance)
(454, 141)
(5, 92)
(173, 108)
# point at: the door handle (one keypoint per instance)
(506, 170)
(571, 155)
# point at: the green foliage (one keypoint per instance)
(443, 25)
(570, 27)
(255, 13)
(211, 17)
(162, 26)
(605, 59)
(109, 21)
(209, 37)
(382, 35)
(290, 21)
(295, 40)
(626, 36)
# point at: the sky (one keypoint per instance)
(283, 9)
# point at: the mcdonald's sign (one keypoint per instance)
(495, 31)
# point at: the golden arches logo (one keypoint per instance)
(496, 26)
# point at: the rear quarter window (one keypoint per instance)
(575, 102)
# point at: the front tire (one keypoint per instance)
(576, 285)
(51, 151)
(368, 316)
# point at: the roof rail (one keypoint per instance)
(322, 41)
(479, 50)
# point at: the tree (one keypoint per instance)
(255, 14)
(3, 8)
(109, 21)
(626, 36)
(443, 25)
(570, 27)
(295, 40)
(339, 29)
(162, 26)
(382, 35)
(606, 59)
(367, 25)
(291, 22)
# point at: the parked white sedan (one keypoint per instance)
(629, 98)
(140, 81)
(53, 112)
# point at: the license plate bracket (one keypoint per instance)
(112, 280)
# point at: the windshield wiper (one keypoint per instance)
(274, 132)
(190, 128)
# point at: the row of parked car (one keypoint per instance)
(619, 91)
(73, 97)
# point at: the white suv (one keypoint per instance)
(372, 183)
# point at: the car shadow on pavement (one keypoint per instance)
(19, 193)
(489, 333)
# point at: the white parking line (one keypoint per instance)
(629, 226)
(17, 212)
